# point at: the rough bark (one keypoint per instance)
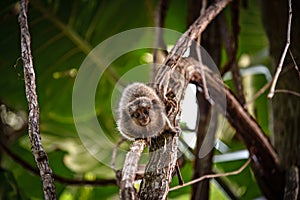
(286, 107)
(127, 191)
(171, 89)
(38, 151)
(265, 163)
(160, 168)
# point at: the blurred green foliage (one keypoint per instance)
(62, 34)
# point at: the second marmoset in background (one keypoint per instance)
(141, 112)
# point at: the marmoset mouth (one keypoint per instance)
(143, 122)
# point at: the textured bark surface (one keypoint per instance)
(286, 107)
(130, 168)
(265, 162)
(157, 177)
(170, 84)
(33, 118)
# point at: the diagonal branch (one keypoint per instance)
(209, 176)
(295, 63)
(58, 178)
(194, 31)
(265, 162)
(163, 149)
(38, 151)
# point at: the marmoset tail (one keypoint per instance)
(141, 112)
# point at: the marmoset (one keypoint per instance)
(141, 112)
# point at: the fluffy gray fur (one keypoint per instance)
(141, 112)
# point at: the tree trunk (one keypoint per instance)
(286, 107)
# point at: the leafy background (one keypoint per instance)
(62, 34)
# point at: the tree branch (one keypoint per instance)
(130, 168)
(163, 149)
(265, 162)
(160, 168)
(280, 65)
(194, 31)
(58, 178)
(208, 176)
(39, 154)
(295, 63)
(171, 88)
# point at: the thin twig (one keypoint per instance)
(295, 64)
(177, 169)
(288, 92)
(206, 94)
(213, 176)
(203, 7)
(265, 162)
(279, 68)
(259, 93)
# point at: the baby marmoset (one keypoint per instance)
(141, 112)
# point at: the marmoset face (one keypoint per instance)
(139, 111)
